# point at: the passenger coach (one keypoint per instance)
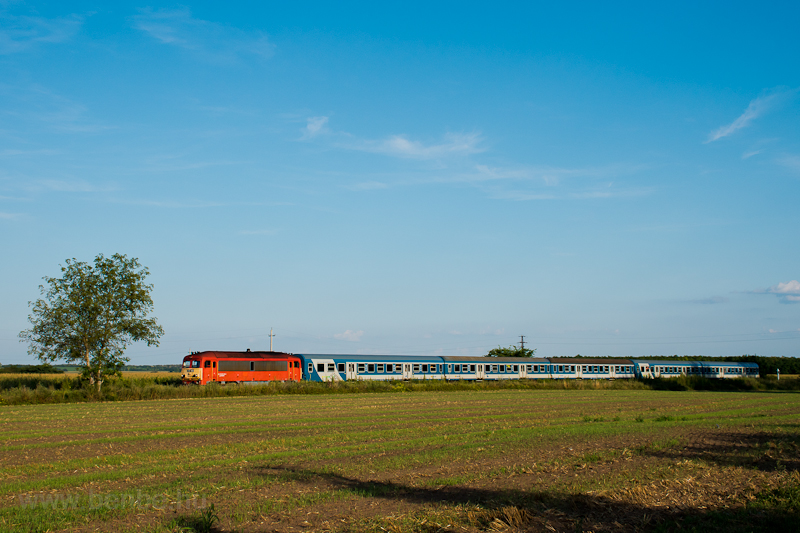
(648, 368)
(589, 368)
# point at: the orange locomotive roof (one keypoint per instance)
(243, 355)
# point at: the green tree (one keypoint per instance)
(511, 351)
(91, 314)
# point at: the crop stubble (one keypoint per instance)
(431, 461)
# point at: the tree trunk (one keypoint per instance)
(89, 368)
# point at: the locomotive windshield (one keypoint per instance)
(191, 364)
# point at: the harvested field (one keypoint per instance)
(504, 460)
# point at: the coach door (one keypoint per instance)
(406, 370)
(481, 373)
(351, 371)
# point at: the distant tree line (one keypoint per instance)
(30, 369)
(151, 368)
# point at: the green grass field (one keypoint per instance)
(475, 460)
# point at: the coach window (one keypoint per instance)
(310, 367)
(361, 368)
(320, 367)
(208, 364)
(424, 369)
(371, 367)
(214, 364)
(472, 368)
(416, 368)
(331, 367)
(380, 369)
(341, 367)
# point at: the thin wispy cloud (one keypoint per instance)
(315, 126)
(36, 103)
(210, 41)
(524, 183)
(788, 292)
(9, 216)
(20, 33)
(791, 162)
(453, 144)
(349, 335)
(548, 175)
(401, 146)
(755, 109)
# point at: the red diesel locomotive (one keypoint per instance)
(202, 368)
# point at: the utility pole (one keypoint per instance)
(270, 339)
(522, 342)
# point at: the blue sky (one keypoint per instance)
(412, 178)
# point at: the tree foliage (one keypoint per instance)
(91, 314)
(511, 351)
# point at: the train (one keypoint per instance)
(262, 367)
